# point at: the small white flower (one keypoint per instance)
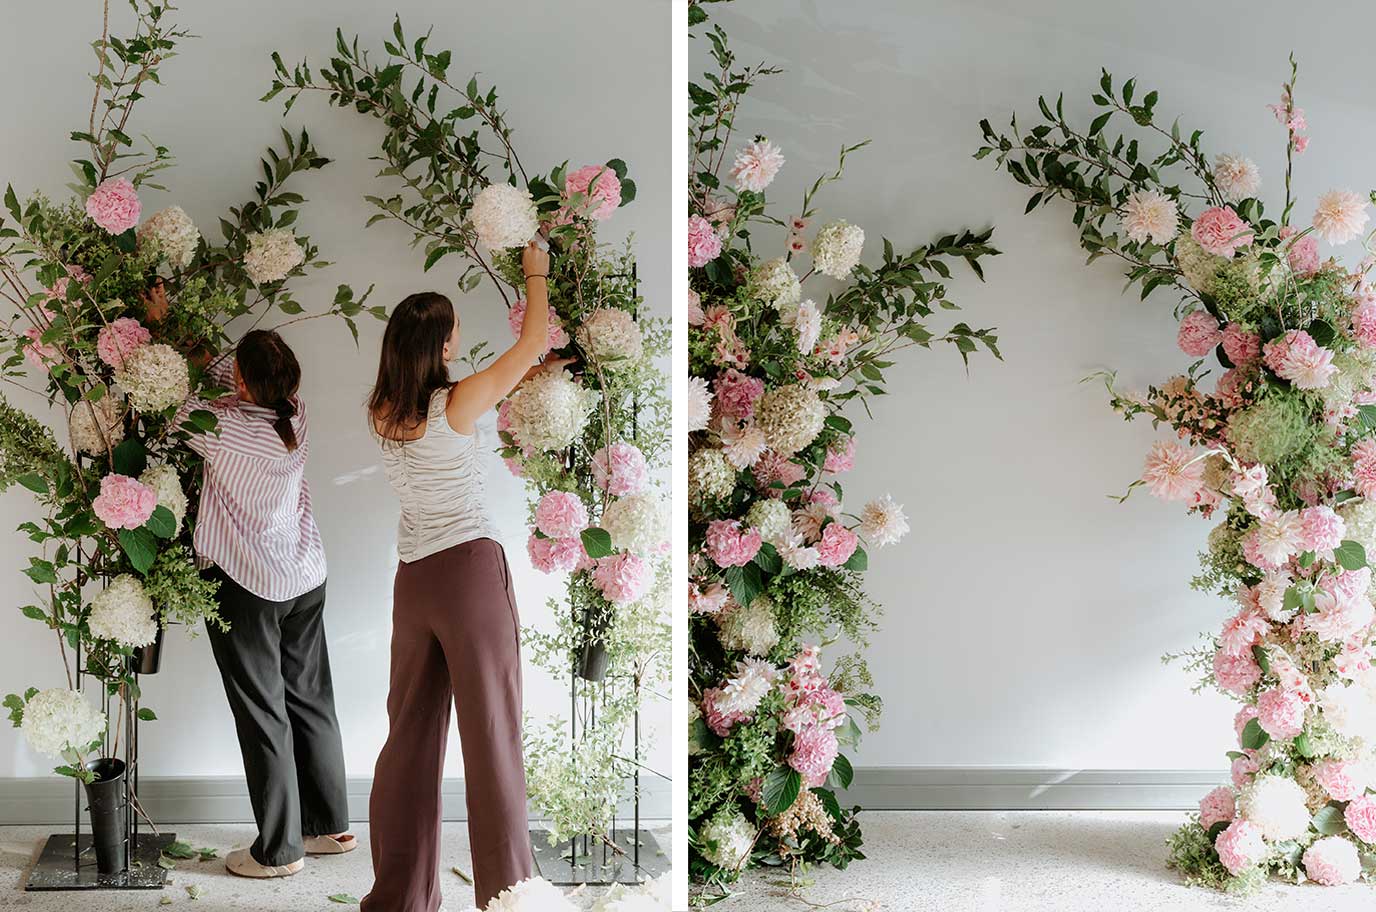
(504, 216)
(776, 283)
(1237, 177)
(883, 522)
(836, 249)
(726, 839)
(753, 681)
(807, 321)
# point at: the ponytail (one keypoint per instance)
(272, 374)
(286, 411)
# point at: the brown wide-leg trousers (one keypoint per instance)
(454, 635)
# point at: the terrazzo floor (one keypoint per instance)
(221, 891)
(1043, 861)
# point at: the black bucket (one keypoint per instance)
(148, 659)
(592, 657)
(105, 795)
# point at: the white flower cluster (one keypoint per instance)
(1277, 806)
(836, 249)
(59, 720)
(883, 521)
(776, 283)
(94, 424)
(637, 523)
(650, 896)
(504, 216)
(154, 377)
(167, 485)
(174, 233)
(791, 417)
(123, 613)
(533, 895)
(271, 255)
(726, 840)
(610, 335)
(750, 628)
(773, 518)
(710, 476)
(549, 410)
(807, 323)
(746, 689)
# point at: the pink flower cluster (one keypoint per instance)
(772, 467)
(516, 318)
(622, 578)
(39, 354)
(1364, 468)
(1341, 779)
(1303, 255)
(124, 502)
(1360, 816)
(836, 545)
(718, 721)
(119, 339)
(814, 712)
(556, 555)
(704, 244)
(840, 459)
(600, 185)
(1296, 357)
(1217, 807)
(1240, 846)
(1242, 347)
(735, 394)
(1280, 713)
(730, 545)
(1219, 231)
(620, 469)
(560, 514)
(1199, 334)
(114, 205)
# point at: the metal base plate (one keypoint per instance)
(596, 864)
(56, 868)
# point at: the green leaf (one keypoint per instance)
(162, 523)
(841, 775)
(1254, 736)
(343, 899)
(147, 715)
(859, 561)
(1329, 820)
(179, 849)
(780, 789)
(34, 483)
(141, 546)
(1350, 555)
(1263, 660)
(768, 559)
(130, 458)
(745, 583)
(597, 542)
(1303, 747)
(41, 571)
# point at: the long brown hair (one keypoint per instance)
(270, 371)
(412, 365)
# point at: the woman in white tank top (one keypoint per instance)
(455, 631)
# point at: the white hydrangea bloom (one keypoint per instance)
(651, 896)
(549, 410)
(123, 613)
(174, 233)
(727, 839)
(776, 283)
(164, 481)
(1277, 806)
(94, 424)
(611, 336)
(750, 628)
(773, 518)
(533, 895)
(710, 476)
(791, 417)
(58, 720)
(155, 377)
(1351, 710)
(637, 523)
(504, 216)
(836, 249)
(271, 255)
(883, 521)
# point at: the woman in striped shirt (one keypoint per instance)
(255, 535)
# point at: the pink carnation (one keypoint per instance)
(1341, 779)
(1240, 846)
(736, 393)
(1332, 862)
(114, 205)
(1236, 673)
(553, 555)
(1322, 530)
(837, 545)
(1216, 807)
(1280, 713)
(814, 752)
(1199, 333)
(1241, 347)
(620, 469)
(1244, 768)
(1361, 818)
(603, 197)
(728, 546)
(1364, 323)
(621, 578)
(1172, 473)
(516, 317)
(704, 244)
(842, 459)
(124, 502)
(561, 515)
(1220, 231)
(119, 339)
(719, 722)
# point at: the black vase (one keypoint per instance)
(107, 805)
(592, 658)
(148, 659)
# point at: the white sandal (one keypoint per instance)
(329, 845)
(242, 863)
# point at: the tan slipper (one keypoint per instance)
(330, 845)
(242, 863)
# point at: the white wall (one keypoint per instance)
(1027, 612)
(570, 96)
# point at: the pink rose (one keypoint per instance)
(1241, 347)
(560, 514)
(551, 555)
(124, 502)
(836, 546)
(730, 546)
(1280, 713)
(1220, 231)
(840, 459)
(1199, 333)
(516, 318)
(1361, 818)
(602, 197)
(1216, 807)
(621, 578)
(736, 394)
(1240, 846)
(704, 244)
(814, 753)
(1342, 780)
(119, 339)
(114, 205)
(620, 469)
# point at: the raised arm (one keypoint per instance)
(476, 394)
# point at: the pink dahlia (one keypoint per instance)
(622, 578)
(114, 205)
(1296, 357)
(1220, 231)
(553, 555)
(1337, 618)
(736, 393)
(730, 546)
(1240, 846)
(814, 753)
(704, 244)
(560, 514)
(1172, 472)
(1242, 630)
(1236, 674)
(1241, 347)
(1361, 818)
(602, 197)
(516, 318)
(1332, 861)
(772, 467)
(840, 459)
(708, 601)
(1280, 713)
(1322, 530)
(1199, 333)
(124, 502)
(118, 339)
(620, 469)
(756, 165)
(836, 545)
(1342, 779)
(720, 722)
(1217, 806)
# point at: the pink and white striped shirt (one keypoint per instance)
(255, 521)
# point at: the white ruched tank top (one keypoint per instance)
(439, 478)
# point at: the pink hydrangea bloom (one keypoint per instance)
(840, 459)
(39, 354)
(516, 318)
(1244, 715)
(1322, 530)
(1240, 846)
(603, 197)
(1332, 862)
(704, 244)
(1216, 807)
(1171, 472)
(1241, 347)
(814, 752)
(620, 469)
(1244, 768)
(621, 578)
(813, 708)
(1220, 231)
(1364, 323)
(1361, 818)
(513, 465)
(124, 502)
(736, 394)
(1303, 255)
(1199, 333)
(1280, 713)
(730, 546)
(114, 205)
(1364, 468)
(1236, 673)
(560, 514)
(119, 338)
(836, 545)
(1342, 779)
(719, 722)
(555, 555)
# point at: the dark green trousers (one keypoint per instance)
(276, 672)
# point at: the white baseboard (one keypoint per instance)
(49, 801)
(1027, 789)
